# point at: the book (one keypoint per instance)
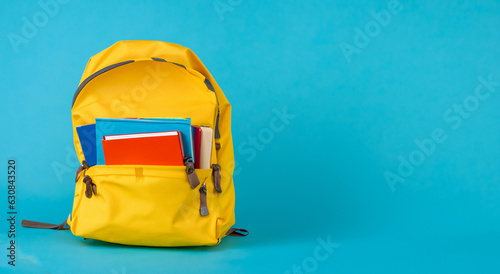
(196, 145)
(206, 147)
(105, 127)
(86, 135)
(155, 148)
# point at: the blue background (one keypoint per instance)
(321, 176)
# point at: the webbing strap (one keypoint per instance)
(33, 224)
(237, 232)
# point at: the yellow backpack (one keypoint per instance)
(152, 205)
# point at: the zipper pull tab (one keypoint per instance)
(77, 173)
(81, 168)
(90, 187)
(191, 173)
(216, 176)
(203, 200)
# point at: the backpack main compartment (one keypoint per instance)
(152, 205)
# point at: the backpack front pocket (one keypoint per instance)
(145, 205)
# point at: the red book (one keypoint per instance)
(155, 148)
(197, 145)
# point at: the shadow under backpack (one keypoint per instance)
(151, 205)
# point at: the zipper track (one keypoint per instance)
(113, 66)
(94, 75)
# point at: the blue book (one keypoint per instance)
(86, 134)
(106, 126)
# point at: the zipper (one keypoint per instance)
(113, 66)
(216, 177)
(94, 75)
(203, 200)
(81, 169)
(193, 179)
(191, 173)
(211, 88)
(90, 187)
